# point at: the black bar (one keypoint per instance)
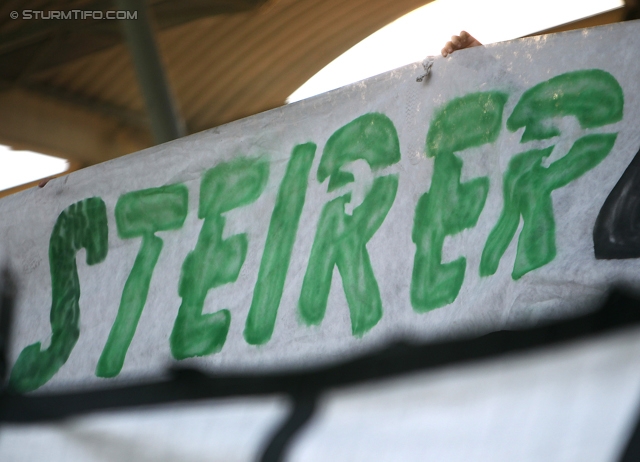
(7, 297)
(185, 385)
(304, 405)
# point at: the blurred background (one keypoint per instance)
(82, 90)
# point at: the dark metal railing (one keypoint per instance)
(621, 310)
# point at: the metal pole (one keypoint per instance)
(166, 124)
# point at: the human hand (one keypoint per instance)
(44, 181)
(458, 42)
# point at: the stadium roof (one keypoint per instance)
(69, 88)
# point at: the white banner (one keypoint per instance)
(497, 193)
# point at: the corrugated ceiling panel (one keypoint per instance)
(225, 67)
